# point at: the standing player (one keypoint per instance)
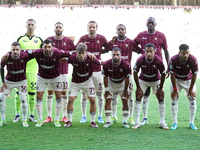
(81, 80)
(95, 42)
(159, 40)
(64, 43)
(29, 41)
(116, 72)
(183, 68)
(127, 46)
(15, 78)
(47, 59)
(150, 65)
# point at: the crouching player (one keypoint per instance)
(116, 72)
(150, 65)
(15, 78)
(81, 80)
(183, 68)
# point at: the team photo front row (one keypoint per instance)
(117, 80)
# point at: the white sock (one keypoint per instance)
(64, 105)
(131, 105)
(83, 104)
(49, 103)
(39, 108)
(114, 105)
(24, 107)
(108, 114)
(100, 103)
(161, 106)
(93, 116)
(145, 105)
(192, 109)
(58, 108)
(69, 115)
(125, 115)
(137, 110)
(3, 106)
(174, 110)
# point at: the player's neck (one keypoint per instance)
(58, 37)
(92, 35)
(151, 31)
(121, 37)
(30, 34)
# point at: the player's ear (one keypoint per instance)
(146, 24)
(155, 24)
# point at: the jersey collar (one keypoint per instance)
(29, 36)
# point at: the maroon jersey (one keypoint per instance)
(183, 70)
(16, 69)
(95, 47)
(82, 70)
(48, 66)
(157, 38)
(149, 70)
(65, 44)
(127, 46)
(116, 73)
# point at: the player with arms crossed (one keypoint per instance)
(127, 46)
(116, 72)
(150, 65)
(63, 43)
(95, 44)
(183, 68)
(15, 78)
(159, 40)
(81, 80)
(29, 41)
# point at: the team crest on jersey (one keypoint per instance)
(54, 44)
(154, 66)
(64, 44)
(120, 70)
(171, 66)
(135, 66)
(22, 61)
(126, 45)
(35, 41)
(188, 66)
(54, 59)
(87, 64)
(98, 41)
(156, 38)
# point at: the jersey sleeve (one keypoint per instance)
(135, 48)
(161, 67)
(194, 67)
(109, 46)
(164, 46)
(80, 40)
(127, 72)
(137, 66)
(171, 66)
(71, 45)
(105, 42)
(105, 71)
(137, 39)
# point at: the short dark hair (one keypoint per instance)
(183, 47)
(58, 23)
(93, 22)
(116, 49)
(81, 47)
(150, 45)
(152, 18)
(121, 25)
(47, 41)
(15, 44)
(30, 20)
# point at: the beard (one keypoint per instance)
(116, 61)
(59, 33)
(48, 52)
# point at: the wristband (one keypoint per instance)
(106, 89)
(175, 88)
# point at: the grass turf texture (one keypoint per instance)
(82, 136)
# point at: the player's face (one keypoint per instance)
(47, 49)
(15, 51)
(116, 56)
(149, 52)
(81, 55)
(184, 55)
(92, 28)
(58, 29)
(121, 31)
(151, 24)
(30, 25)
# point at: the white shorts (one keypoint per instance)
(20, 85)
(130, 87)
(154, 85)
(87, 87)
(181, 84)
(42, 83)
(65, 85)
(97, 79)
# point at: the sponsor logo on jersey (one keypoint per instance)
(42, 59)
(110, 70)
(47, 67)
(35, 41)
(124, 57)
(143, 66)
(75, 64)
(82, 75)
(25, 41)
(16, 72)
(144, 38)
(178, 67)
(10, 63)
(117, 79)
(115, 45)
(87, 42)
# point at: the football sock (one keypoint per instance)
(162, 111)
(192, 109)
(93, 116)
(174, 110)
(64, 105)
(108, 114)
(69, 115)
(145, 105)
(100, 103)
(83, 104)
(131, 105)
(125, 115)
(24, 107)
(137, 110)
(114, 105)
(3, 106)
(49, 103)
(39, 108)
(58, 108)
(17, 104)
(31, 101)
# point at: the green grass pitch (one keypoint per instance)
(82, 136)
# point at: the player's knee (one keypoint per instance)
(23, 101)
(50, 92)
(125, 102)
(64, 93)
(2, 98)
(71, 100)
(58, 94)
(160, 100)
(92, 100)
(108, 100)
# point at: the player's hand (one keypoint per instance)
(5, 57)
(192, 94)
(3, 85)
(160, 94)
(139, 93)
(167, 75)
(107, 93)
(125, 94)
(114, 39)
(91, 56)
(174, 94)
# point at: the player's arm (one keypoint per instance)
(138, 92)
(125, 93)
(91, 56)
(105, 43)
(160, 92)
(107, 93)
(2, 77)
(108, 47)
(193, 80)
(135, 47)
(136, 40)
(174, 94)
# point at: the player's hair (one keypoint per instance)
(93, 22)
(152, 18)
(183, 47)
(15, 44)
(58, 23)
(121, 25)
(116, 49)
(30, 20)
(81, 47)
(47, 41)
(150, 45)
